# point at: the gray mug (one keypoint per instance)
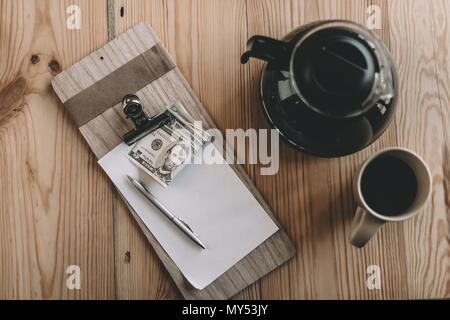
(367, 221)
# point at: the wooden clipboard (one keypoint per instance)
(136, 62)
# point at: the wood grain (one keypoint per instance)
(57, 208)
(440, 17)
(154, 282)
(420, 127)
(55, 203)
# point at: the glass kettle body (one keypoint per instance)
(329, 87)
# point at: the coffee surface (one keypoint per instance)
(389, 185)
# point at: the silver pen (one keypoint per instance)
(176, 221)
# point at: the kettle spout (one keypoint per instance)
(246, 56)
(267, 49)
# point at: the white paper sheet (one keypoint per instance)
(212, 200)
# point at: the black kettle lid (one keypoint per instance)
(334, 71)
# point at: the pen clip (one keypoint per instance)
(186, 225)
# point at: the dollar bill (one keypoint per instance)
(164, 152)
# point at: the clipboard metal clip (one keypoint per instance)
(132, 107)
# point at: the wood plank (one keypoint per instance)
(420, 128)
(155, 283)
(312, 197)
(194, 33)
(440, 19)
(50, 213)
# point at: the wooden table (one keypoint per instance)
(57, 208)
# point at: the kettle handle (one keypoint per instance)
(268, 49)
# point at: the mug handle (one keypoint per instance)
(364, 226)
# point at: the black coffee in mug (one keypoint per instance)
(389, 185)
